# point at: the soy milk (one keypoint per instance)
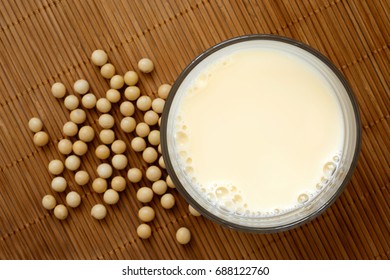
(259, 132)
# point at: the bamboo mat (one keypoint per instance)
(46, 41)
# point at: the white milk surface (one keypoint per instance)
(259, 132)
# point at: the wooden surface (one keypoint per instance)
(46, 41)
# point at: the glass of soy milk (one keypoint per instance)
(260, 133)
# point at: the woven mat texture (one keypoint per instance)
(46, 41)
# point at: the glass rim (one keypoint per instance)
(164, 134)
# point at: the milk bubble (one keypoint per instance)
(324, 181)
(189, 169)
(211, 197)
(181, 138)
(221, 192)
(228, 206)
(329, 169)
(237, 198)
(303, 198)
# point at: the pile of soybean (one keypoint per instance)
(146, 140)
